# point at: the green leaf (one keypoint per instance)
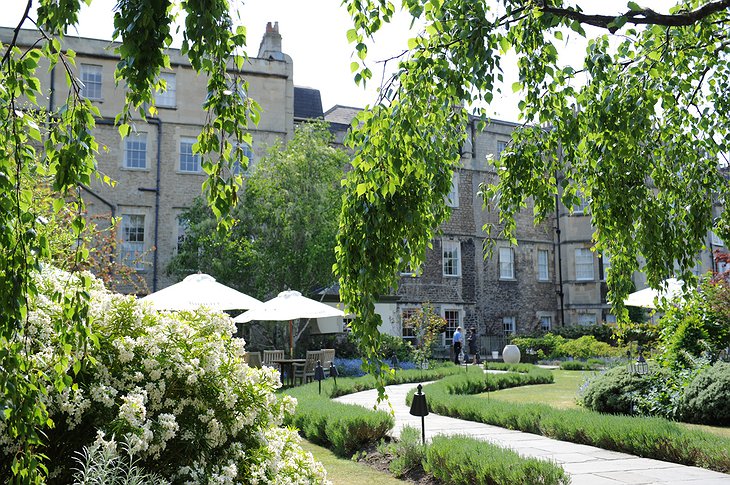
(634, 6)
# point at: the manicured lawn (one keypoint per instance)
(561, 394)
(341, 471)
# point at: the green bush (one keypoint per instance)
(579, 365)
(707, 398)
(545, 346)
(601, 332)
(613, 391)
(408, 452)
(656, 438)
(391, 344)
(587, 346)
(464, 460)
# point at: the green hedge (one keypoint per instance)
(462, 460)
(646, 437)
(346, 428)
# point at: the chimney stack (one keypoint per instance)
(270, 47)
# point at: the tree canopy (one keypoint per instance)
(283, 229)
(639, 130)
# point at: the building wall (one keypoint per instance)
(136, 190)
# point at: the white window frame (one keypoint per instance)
(509, 326)
(452, 198)
(451, 258)
(546, 319)
(187, 156)
(133, 240)
(501, 146)
(605, 264)
(543, 267)
(135, 151)
(586, 319)
(168, 97)
(582, 263)
(92, 77)
(404, 314)
(582, 207)
(447, 337)
(506, 263)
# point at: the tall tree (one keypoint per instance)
(285, 225)
(214, 46)
(640, 130)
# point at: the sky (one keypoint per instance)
(314, 35)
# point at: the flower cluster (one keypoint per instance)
(173, 386)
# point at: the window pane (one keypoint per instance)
(453, 320)
(189, 161)
(182, 229)
(408, 332)
(587, 319)
(133, 240)
(583, 264)
(167, 97)
(508, 325)
(546, 323)
(543, 273)
(452, 199)
(91, 79)
(135, 151)
(247, 152)
(501, 146)
(506, 263)
(451, 265)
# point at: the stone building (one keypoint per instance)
(550, 278)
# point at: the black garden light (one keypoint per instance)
(419, 407)
(319, 375)
(394, 362)
(640, 367)
(333, 372)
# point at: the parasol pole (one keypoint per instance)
(291, 341)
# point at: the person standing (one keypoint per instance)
(473, 346)
(458, 340)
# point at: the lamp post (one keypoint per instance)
(319, 375)
(640, 367)
(333, 372)
(419, 407)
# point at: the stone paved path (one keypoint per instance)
(586, 465)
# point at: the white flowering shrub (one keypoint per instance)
(173, 386)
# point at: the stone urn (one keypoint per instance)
(511, 354)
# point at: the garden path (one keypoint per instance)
(587, 465)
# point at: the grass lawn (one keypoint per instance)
(561, 394)
(341, 471)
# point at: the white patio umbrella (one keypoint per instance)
(645, 298)
(289, 305)
(198, 290)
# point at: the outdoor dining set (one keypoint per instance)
(302, 370)
(202, 290)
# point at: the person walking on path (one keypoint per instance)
(473, 347)
(458, 340)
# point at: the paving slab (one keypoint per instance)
(586, 465)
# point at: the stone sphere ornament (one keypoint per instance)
(511, 354)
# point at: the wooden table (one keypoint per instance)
(288, 365)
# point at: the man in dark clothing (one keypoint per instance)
(473, 345)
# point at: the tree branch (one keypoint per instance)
(16, 32)
(644, 16)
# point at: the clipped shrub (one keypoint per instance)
(601, 332)
(408, 452)
(172, 386)
(587, 346)
(707, 398)
(463, 460)
(391, 344)
(656, 438)
(612, 391)
(579, 365)
(545, 346)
